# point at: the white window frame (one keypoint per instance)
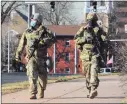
(67, 56)
(67, 41)
(67, 71)
(103, 2)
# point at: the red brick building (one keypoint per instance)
(66, 62)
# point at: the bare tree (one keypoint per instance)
(119, 48)
(7, 7)
(120, 62)
(61, 14)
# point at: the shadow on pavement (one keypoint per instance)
(116, 97)
(119, 97)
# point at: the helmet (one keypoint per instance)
(37, 17)
(36, 20)
(91, 16)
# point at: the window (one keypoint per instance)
(121, 4)
(91, 3)
(67, 70)
(121, 24)
(102, 3)
(67, 43)
(107, 70)
(121, 14)
(67, 57)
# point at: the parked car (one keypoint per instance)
(106, 70)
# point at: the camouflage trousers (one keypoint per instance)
(36, 72)
(90, 69)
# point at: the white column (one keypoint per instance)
(8, 52)
(47, 56)
(112, 61)
(54, 55)
(75, 60)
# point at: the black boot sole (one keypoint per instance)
(93, 95)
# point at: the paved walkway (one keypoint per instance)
(73, 91)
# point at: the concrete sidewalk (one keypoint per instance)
(73, 91)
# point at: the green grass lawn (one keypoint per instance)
(101, 74)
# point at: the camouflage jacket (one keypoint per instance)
(82, 37)
(28, 40)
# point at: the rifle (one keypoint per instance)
(97, 43)
(97, 46)
(36, 42)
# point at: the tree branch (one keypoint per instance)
(3, 16)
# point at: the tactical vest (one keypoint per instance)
(32, 37)
(89, 44)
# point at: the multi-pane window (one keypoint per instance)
(121, 14)
(67, 43)
(67, 70)
(102, 3)
(67, 57)
(91, 3)
(121, 4)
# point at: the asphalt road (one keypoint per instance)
(13, 77)
(73, 91)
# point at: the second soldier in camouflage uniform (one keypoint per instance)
(36, 66)
(88, 53)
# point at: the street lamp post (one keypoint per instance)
(8, 52)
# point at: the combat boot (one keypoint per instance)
(93, 94)
(33, 96)
(41, 94)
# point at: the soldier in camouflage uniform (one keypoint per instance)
(36, 65)
(88, 52)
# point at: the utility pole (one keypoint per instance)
(29, 13)
(32, 8)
